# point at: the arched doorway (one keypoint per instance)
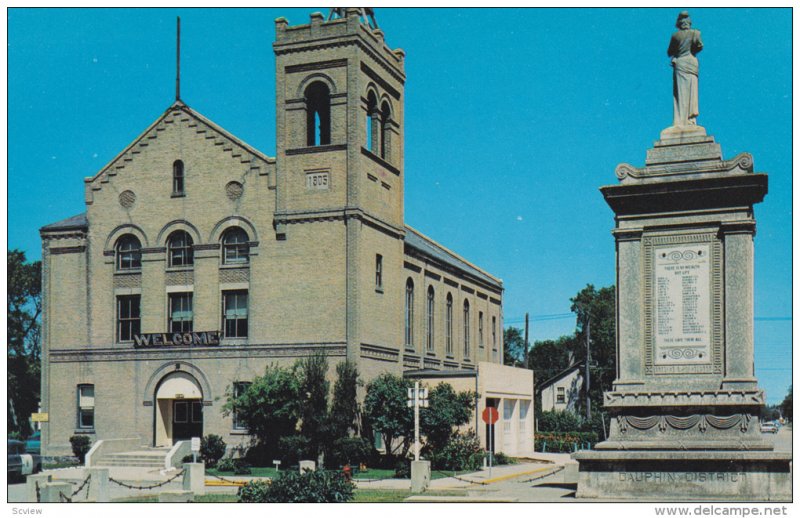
(178, 409)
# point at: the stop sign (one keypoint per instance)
(490, 415)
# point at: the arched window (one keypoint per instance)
(410, 314)
(448, 326)
(179, 249)
(129, 253)
(177, 178)
(318, 113)
(235, 247)
(386, 117)
(466, 328)
(372, 122)
(430, 312)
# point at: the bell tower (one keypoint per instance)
(339, 172)
(339, 120)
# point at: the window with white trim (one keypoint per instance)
(86, 407)
(234, 314)
(129, 317)
(180, 313)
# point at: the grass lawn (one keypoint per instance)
(395, 495)
(360, 496)
(204, 499)
(254, 472)
(372, 473)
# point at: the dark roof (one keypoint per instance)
(568, 370)
(433, 249)
(74, 223)
(431, 373)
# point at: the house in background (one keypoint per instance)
(561, 392)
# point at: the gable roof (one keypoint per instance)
(431, 248)
(178, 108)
(77, 222)
(561, 375)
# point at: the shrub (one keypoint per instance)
(563, 442)
(292, 449)
(462, 452)
(350, 450)
(212, 448)
(187, 458)
(402, 468)
(558, 421)
(309, 487)
(227, 464)
(242, 468)
(254, 491)
(501, 458)
(81, 444)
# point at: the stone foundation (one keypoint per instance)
(669, 475)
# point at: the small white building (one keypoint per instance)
(561, 392)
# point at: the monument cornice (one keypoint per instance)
(686, 194)
(679, 398)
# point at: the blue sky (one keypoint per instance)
(514, 118)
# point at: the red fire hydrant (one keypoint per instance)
(348, 473)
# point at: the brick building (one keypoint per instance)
(200, 260)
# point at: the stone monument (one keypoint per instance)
(685, 404)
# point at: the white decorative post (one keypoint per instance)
(420, 469)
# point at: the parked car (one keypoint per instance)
(20, 462)
(769, 428)
(34, 443)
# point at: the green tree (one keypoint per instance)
(786, 405)
(344, 407)
(388, 414)
(314, 421)
(513, 346)
(24, 298)
(269, 408)
(549, 357)
(446, 410)
(597, 308)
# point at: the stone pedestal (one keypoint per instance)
(194, 478)
(685, 404)
(32, 482)
(55, 492)
(420, 475)
(98, 487)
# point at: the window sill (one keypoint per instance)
(379, 290)
(237, 431)
(234, 266)
(233, 341)
(132, 271)
(431, 354)
(179, 269)
(410, 350)
(178, 195)
(85, 431)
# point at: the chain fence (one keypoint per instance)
(144, 488)
(68, 499)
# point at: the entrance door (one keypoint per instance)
(187, 419)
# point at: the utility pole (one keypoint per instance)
(588, 360)
(525, 358)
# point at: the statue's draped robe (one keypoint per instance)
(682, 47)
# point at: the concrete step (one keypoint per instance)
(146, 458)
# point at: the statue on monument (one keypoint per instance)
(683, 47)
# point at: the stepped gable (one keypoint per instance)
(179, 112)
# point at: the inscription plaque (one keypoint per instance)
(682, 304)
(318, 181)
